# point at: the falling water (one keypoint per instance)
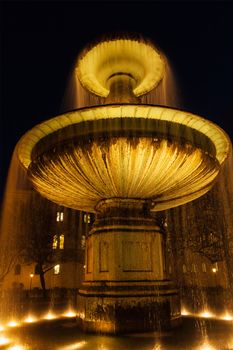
(165, 94)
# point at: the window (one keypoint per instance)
(60, 216)
(83, 242)
(58, 241)
(87, 218)
(61, 241)
(203, 265)
(170, 269)
(17, 269)
(194, 268)
(55, 242)
(184, 268)
(215, 267)
(56, 269)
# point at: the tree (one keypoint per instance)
(39, 226)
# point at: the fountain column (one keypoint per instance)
(125, 287)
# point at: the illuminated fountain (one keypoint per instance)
(122, 161)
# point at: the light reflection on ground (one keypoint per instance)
(75, 346)
(63, 334)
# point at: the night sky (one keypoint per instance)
(40, 42)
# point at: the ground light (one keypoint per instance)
(30, 319)
(70, 313)
(206, 346)
(206, 314)
(17, 347)
(4, 340)
(227, 317)
(50, 316)
(13, 323)
(185, 312)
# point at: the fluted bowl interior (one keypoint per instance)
(123, 151)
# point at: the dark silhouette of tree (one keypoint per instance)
(39, 226)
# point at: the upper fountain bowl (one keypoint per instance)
(137, 60)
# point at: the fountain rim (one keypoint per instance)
(27, 142)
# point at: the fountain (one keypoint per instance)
(124, 161)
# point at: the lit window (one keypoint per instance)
(184, 268)
(203, 267)
(60, 216)
(194, 268)
(58, 241)
(61, 241)
(83, 242)
(55, 242)
(56, 269)
(87, 218)
(215, 266)
(17, 269)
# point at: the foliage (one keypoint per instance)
(38, 234)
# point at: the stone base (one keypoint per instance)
(121, 307)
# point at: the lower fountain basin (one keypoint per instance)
(65, 335)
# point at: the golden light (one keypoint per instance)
(2, 328)
(4, 340)
(56, 269)
(102, 62)
(206, 314)
(31, 275)
(195, 123)
(30, 319)
(227, 317)
(70, 313)
(185, 312)
(214, 270)
(74, 346)
(206, 346)
(157, 347)
(13, 324)
(16, 347)
(50, 316)
(188, 170)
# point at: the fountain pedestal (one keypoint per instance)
(125, 287)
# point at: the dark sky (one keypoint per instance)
(40, 40)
